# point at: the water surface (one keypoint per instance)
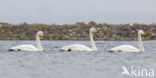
(53, 63)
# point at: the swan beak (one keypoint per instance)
(42, 35)
(95, 30)
(144, 33)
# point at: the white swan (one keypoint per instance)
(30, 47)
(129, 48)
(81, 47)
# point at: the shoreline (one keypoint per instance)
(78, 31)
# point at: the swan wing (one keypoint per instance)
(23, 48)
(124, 48)
(76, 47)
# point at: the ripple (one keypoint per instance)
(52, 63)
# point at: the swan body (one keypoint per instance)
(24, 48)
(81, 47)
(30, 47)
(76, 47)
(129, 48)
(124, 48)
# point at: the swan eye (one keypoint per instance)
(43, 35)
(95, 30)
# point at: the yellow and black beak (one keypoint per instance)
(144, 33)
(42, 35)
(95, 30)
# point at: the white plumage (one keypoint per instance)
(76, 47)
(81, 47)
(129, 48)
(24, 48)
(30, 47)
(124, 48)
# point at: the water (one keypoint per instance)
(55, 64)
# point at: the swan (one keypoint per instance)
(129, 48)
(81, 47)
(30, 47)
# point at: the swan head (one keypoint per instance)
(93, 30)
(40, 33)
(141, 32)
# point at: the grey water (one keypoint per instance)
(52, 63)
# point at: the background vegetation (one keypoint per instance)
(78, 31)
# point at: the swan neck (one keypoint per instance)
(140, 44)
(39, 46)
(93, 46)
